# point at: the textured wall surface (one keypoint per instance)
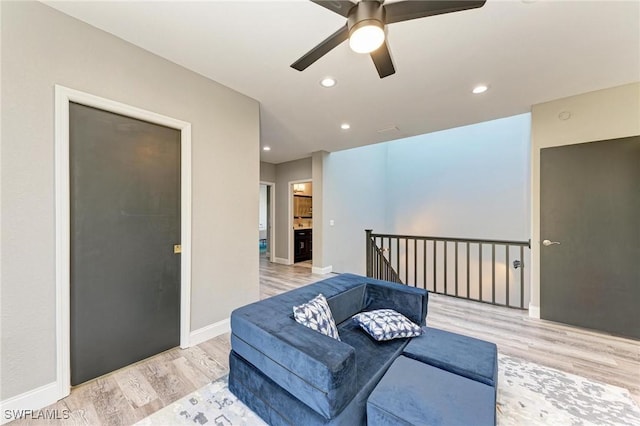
(42, 47)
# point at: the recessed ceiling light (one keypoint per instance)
(328, 82)
(480, 89)
(266, 148)
(345, 126)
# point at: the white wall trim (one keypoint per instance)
(534, 311)
(210, 331)
(272, 215)
(322, 271)
(290, 214)
(30, 400)
(63, 96)
(281, 261)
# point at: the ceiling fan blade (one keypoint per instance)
(382, 60)
(341, 7)
(407, 10)
(321, 49)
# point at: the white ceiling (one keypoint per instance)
(527, 51)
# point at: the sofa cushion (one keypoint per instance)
(386, 324)
(409, 301)
(345, 304)
(372, 357)
(463, 355)
(316, 315)
(413, 393)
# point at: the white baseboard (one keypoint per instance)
(19, 406)
(322, 271)
(209, 332)
(281, 261)
(534, 311)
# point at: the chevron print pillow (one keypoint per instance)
(316, 315)
(386, 324)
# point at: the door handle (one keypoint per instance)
(548, 243)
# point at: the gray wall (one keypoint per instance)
(285, 173)
(469, 182)
(318, 161)
(354, 198)
(267, 172)
(42, 47)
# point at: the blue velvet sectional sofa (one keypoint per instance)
(292, 375)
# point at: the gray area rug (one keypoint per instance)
(528, 394)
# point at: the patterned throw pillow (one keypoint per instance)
(316, 315)
(387, 324)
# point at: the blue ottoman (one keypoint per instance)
(414, 393)
(462, 355)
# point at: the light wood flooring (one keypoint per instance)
(132, 393)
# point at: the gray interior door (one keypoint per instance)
(125, 219)
(590, 204)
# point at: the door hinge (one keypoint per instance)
(177, 248)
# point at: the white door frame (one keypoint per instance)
(63, 96)
(272, 215)
(290, 234)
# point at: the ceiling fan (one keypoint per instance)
(366, 21)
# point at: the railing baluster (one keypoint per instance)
(381, 270)
(446, 266)
(468, 274)
(522, 277)
(398, 256)
(435, 248)
(506, 249)
(424, 263)
(456, 265)
(389, 250)
(368, 250)
(374, 270)
(480, 265)
(389, 253)
(415, 262)
(493, 273)
(406, 260)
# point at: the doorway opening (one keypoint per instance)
(64, 97)
(589, 209)
(302, 222)
(265, 221)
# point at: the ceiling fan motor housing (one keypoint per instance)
(366, 22)
(366, 13)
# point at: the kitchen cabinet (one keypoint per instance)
(303, 245)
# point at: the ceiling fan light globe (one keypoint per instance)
(365, 37)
